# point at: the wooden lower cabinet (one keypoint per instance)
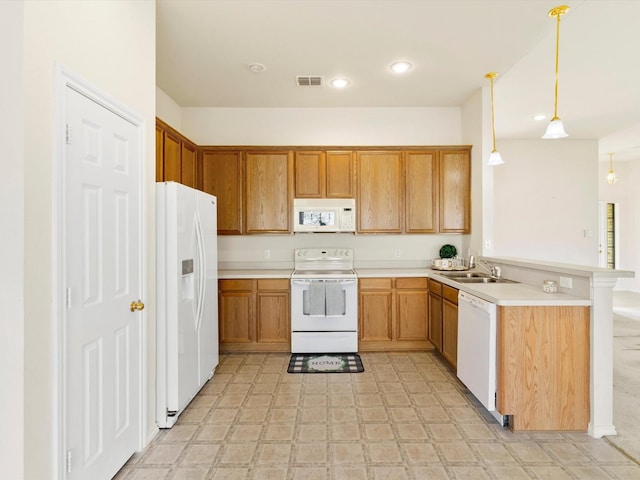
(443, 320)
(255, 315)
(435, 314)
(273, 312)
(450, 325)
(392, 314)
(543, 367)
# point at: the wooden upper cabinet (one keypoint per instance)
(222, 177)
(188, 168)
(320, 174)
(176, 157)
(380, 187)
(310, 174)
(159, 155)
(268, 192)
(421, 192)
(455, 191)
(171, 158)
(340, 174)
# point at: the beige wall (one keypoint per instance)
(11, 242)
(545, 197)
(322, 126)
(624, 193)
(110, 44)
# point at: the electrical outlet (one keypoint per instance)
(566, 282)
(397, 252)
(267, 254)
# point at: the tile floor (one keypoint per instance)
(626, 372)
(405, 417)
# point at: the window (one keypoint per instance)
(611, 235)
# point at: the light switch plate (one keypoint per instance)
(566, 282)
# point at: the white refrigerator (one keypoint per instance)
(187, 296)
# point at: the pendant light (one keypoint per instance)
(611, 177)
(494, 157)
(555, 129)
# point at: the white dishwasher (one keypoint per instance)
(477, 349)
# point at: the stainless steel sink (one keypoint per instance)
(459, 275)
(483, 280)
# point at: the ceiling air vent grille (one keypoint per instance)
(309, 81)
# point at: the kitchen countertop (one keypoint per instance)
(505, 294)
(393, 272)
(228, 274)
(514, 294)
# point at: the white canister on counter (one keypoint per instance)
(549, 286)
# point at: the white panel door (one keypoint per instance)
(102, 275)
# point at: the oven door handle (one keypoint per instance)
(344, 281)
(298, 281)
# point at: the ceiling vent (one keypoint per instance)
(309, 81)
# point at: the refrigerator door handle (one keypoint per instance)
(201, 271)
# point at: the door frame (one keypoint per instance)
(63, 79)
(602, 233)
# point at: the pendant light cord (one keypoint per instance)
(493, 124)
(491, 76)
(555, 103)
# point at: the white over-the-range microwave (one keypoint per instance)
(324, 215)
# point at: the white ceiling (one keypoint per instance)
(204, 48)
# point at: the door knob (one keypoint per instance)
(137, 305)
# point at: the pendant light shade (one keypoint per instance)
(555, 129)
(611, 177)
(494, 157)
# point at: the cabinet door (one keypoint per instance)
(159, 155)
(188, 173)
(222, 177)
(435, 320)
(450, 332)
(421, 212)
(236, 314)
(309, 172)
(380, 202)
(455, 191)
(375, 316)
(273, 317)
(543, 367)
(171, 158)
(411, 314)
(268, 192)
(340, 174)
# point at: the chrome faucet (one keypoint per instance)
(493, 270)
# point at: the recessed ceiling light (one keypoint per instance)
(540, 116)
(400, 67)
(339, 82)
(257, 67)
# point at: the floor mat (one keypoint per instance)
(325, 363)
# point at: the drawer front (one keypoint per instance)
(450, 293)
(418, 283)
(273, 284)
(375, 283)
(435, 287)
(236, 285)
